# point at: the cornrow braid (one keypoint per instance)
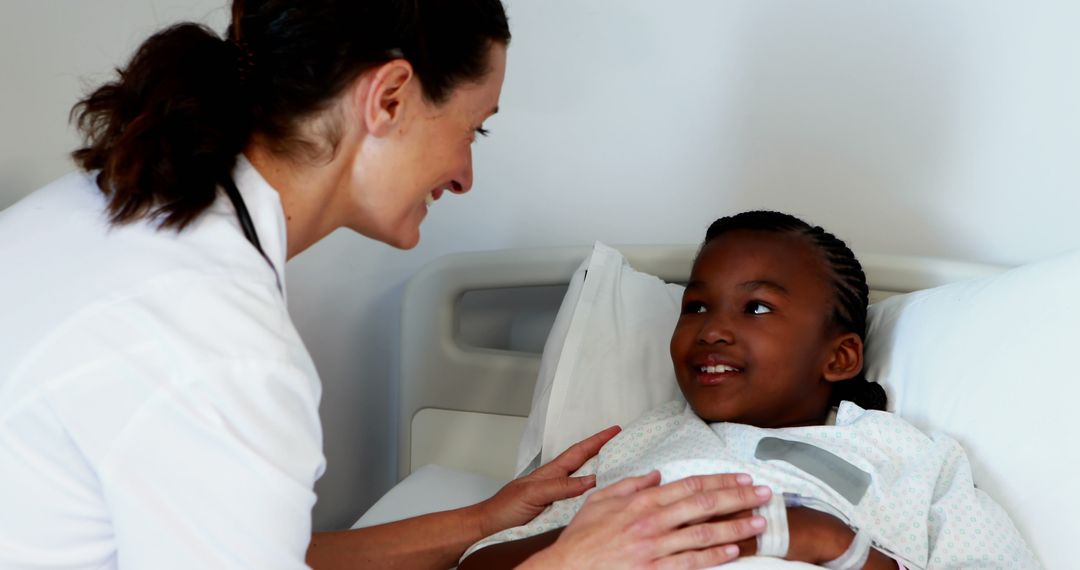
(851, 297)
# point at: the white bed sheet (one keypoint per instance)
(429, 489)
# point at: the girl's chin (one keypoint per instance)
(710, 413)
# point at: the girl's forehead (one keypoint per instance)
(761, 245)
(746, 253)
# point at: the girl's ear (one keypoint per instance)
(845, 358)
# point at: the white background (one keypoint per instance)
(942, 127)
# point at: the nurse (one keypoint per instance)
(157, 407)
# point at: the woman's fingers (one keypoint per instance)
(699, 558)
(725, 517)
(705, 535)
(627, 486)
(573, 458)
(635, 523)
(691, 486)
(707, 504)
(547, 491)
(692, 511)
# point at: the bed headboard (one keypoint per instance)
(465, 407)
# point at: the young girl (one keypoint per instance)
(768, 345)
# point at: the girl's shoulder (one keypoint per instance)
(887, 426)
(668, 411)
(652, 427)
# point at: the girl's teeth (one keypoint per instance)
(718, 369)
(429, 199)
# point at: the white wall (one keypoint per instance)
(942, 127)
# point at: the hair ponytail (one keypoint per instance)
(167, 129)
(170, 127)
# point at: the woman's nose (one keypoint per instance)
(462, 183)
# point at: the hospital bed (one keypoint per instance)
(967, 358)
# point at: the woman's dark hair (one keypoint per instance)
(165, 132)
(849, 283)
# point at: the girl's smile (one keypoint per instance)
(713, 369)
(754, 337)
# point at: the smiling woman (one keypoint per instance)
(351, 129)
(160, 408)
(402, 152)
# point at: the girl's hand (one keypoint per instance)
(637, 524)
(816, 537)
(522, 499)
(813, 536)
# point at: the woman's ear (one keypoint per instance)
(845, 358)
(382, 96)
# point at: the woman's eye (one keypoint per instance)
(481, 131)
(757, 308)
(693, 307)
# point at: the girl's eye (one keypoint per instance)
(757, 308)
(693, 307)
(482, 131)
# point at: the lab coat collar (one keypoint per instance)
(267, 214)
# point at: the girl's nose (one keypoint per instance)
(716, 330)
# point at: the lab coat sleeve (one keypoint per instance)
(218, 472)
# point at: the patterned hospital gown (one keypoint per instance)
(921, 505)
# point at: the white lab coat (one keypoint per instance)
(157, 406)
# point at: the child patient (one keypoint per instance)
(768, 352)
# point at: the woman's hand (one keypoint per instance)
(637, 524)
(522, 499)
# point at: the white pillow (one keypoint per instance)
(606, 361)
(533, 438)
(990, 362)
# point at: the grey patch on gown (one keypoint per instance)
(846, 479)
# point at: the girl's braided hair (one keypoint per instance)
(849, 283)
